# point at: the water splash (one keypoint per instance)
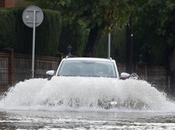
(83, 92)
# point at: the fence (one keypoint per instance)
(17, 67)
(156, 75)
(4, 71)
(42, 64)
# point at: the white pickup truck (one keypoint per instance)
(88, 67)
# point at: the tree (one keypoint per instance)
(151, 29)
(95, 15)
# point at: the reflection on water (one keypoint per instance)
(86, 120)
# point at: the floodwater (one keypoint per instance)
(48, 120)
(86, 103)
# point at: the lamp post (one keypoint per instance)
(109, 45)
(130, 43)
(109, 16)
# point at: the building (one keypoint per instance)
(11, 3)
(7, 3)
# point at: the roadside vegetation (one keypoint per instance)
(85, 24)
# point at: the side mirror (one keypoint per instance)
(50, 72)
(124, 75)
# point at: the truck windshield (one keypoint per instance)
(87, 69)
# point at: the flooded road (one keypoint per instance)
(86, 103)
(103, 120)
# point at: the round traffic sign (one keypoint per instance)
(28, 16)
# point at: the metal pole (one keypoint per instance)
(33, 49)
(109, 45)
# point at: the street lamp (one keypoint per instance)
(130, 42)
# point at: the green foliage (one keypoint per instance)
(153, 33)
(7, 28)
(48, 34)
(93, 15)
(92, 12)
(151, 30)
(73, 21)
(74, 35)
(118, 45)
(14, 34)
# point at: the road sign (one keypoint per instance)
(28, 16)
(32, 17)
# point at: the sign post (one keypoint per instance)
(32, 17)
(33, 44)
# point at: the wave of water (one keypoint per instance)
(89, 93)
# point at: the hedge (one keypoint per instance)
(14, 34)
